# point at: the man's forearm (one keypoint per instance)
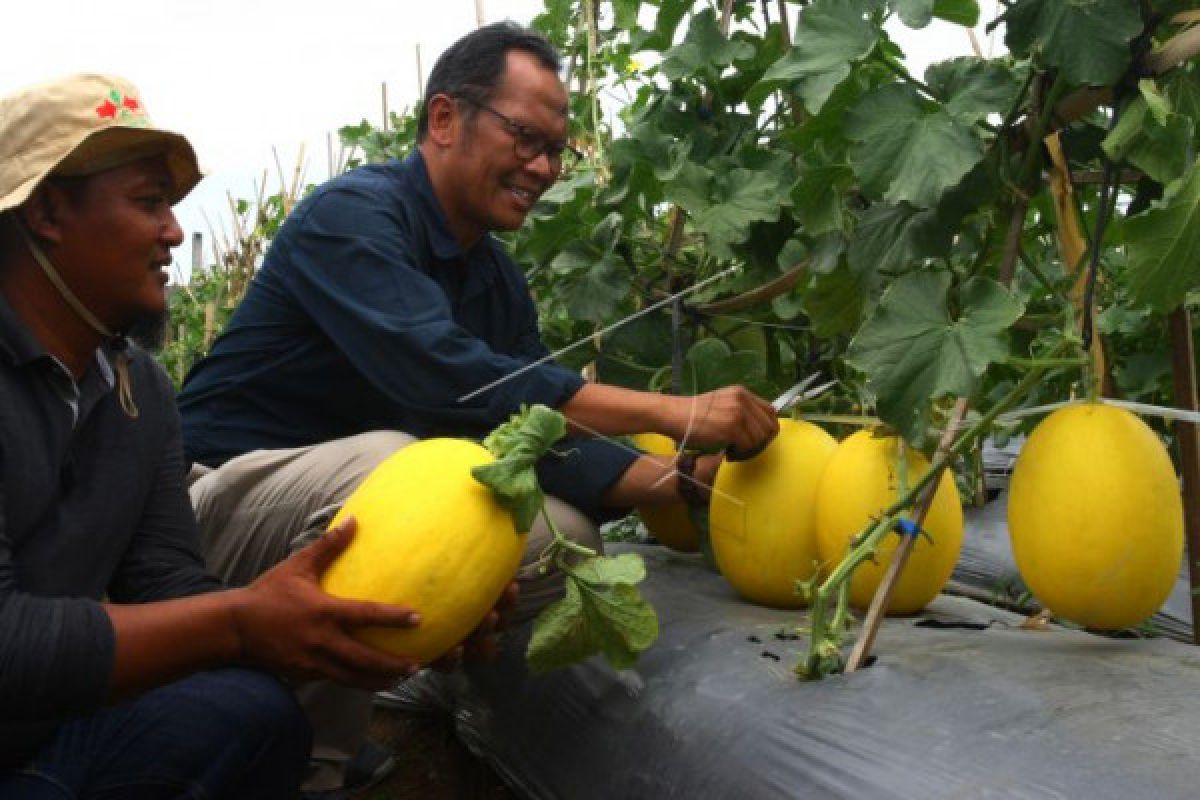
(597, 409)
(163, 641)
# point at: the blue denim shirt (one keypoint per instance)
(367, 315)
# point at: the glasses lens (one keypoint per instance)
(529, 145)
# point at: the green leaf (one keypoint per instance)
(690, 188)
(819, 199)
(623, 568)
(670, 12)
(1164, 246)
(890, 239)
(913, 13)
(602, 613)
(908, 149)
(711, 364)
(741, 198)
(1158, 104)
(972, 88)
(834, 302)
(913, 351)
(1163, 150)
(625, 14)
(703, 50)
(1087, 39)
(599, 281)
(960, 12)
(830, 36)
(517, 446)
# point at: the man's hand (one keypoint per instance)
(730, 417)
(287, 624)
(733, 416)
(482, 643)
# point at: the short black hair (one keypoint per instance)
(473, 67)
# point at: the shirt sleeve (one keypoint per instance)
(351, 267)
(56, 653)
(163, 559)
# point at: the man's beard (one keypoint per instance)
(149, 330)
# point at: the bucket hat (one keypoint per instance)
(80, 125)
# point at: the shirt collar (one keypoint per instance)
(441, 238)
(20, 346)
(480, 260)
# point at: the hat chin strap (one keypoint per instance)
(121, 364)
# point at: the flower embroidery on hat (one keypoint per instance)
(122, 107)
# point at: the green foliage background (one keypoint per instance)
(896, 231)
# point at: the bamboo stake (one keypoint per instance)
(210, 323)
(783, 22)
(883, 595)
(1183, 363)
(1072, 247)
(420, 76)
(384, 100)
(479, 16)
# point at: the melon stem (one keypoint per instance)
(825, 635)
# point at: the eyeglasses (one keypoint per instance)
(529, 143)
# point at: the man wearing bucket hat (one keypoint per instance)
(125, 669)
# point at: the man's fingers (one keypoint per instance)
(360, 614)
(319, 555)
(368, 663)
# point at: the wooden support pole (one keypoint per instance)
(1183, 363)
(883, 594)
(420, 78)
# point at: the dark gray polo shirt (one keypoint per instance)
(92, 503)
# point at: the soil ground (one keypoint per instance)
(432, 763)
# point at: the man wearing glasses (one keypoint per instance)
(384, 305)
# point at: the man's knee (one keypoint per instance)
(268, 736)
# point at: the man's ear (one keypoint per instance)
(445, 120)
(42, 213)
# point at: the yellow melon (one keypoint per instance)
(670, 524)
(859, 483)
(431, 537)
(761, 515)
(1096, 517)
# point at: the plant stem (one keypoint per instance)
(561, 544)
(905, 76)
(824, 635)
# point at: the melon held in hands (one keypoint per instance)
(861, 480)
(1096, 517)
(430, 537)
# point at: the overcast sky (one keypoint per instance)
(239, 77)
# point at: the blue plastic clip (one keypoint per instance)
(906, 527)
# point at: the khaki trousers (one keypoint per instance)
(258, 508)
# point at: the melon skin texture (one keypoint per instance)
(670, 524)
(429, 537)
(1096, 517)
(761, 520)
(860, 482)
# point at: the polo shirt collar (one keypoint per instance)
(21, 347)
(441, 238)
(480, 260)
